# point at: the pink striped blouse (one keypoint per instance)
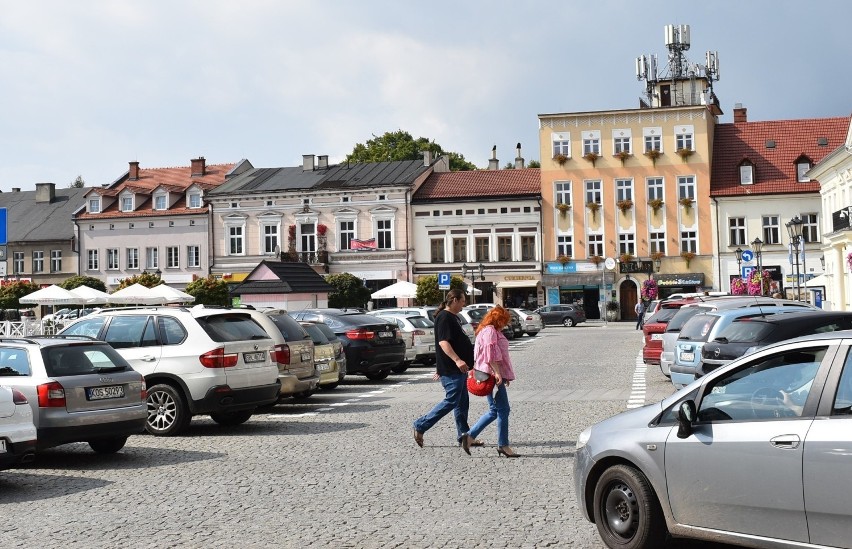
(492, 346)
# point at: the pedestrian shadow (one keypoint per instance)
(260, 427)
(78, 457)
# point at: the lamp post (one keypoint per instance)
(472, 270)
(794, 231)
(757, 244)
(658, 265)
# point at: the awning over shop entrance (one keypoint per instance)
(516, 284)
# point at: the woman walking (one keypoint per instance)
(491, 355)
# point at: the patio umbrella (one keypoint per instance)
(52, 295)
(402, 288)
(172, 295)
(91, 295)
(468, 288)
(136, 294)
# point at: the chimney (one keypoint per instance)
(322, 161)
(198, 167)
(740, 113)
(45, 192)
(16, 189)
(494, 164)
(427, 158)
(519, 160)
(307, 162)
(133, 174)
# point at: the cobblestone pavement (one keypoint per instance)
(341, 469)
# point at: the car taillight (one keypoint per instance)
(51, 395)
(360, 334)
(18, 397)
(339, 353)
(419, 332)
(281, 354)
(218, 359)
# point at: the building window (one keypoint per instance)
(593, 191)
(736, 231)
(809, 228)
(344, 199)
(94, 205)
(656, 188)
(688, 241)
(235, 240)
(92, 263)
(127, 203)
(596, 247)
(270, 238)
(563, 192)
(17, 262)
(802, 167)
(172, 257)
(686, 187)
(683, 137)
(482, 245)
(746, 173)
(504, 248)
(626, 244)
(436, 245)
(653, 143)
(564, 246)
(194, 200)
(38, 262)
(384, 234)
(591, 142)
(771, 230)
(160, 202)
(527, 248)
(561, 144)
(621, 145)
(346, 234)
(132, 258)
(56, 261)
(657, 243)
(152, 259)
(308, 237)
(383, 197)
(112, 259)
(624, 189)
(459, 250)
(193, 257)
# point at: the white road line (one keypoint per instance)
(637, 394)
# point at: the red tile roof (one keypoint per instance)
(479, 183)
(774, 168)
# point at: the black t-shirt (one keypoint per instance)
(448, 327)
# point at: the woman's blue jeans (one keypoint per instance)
(456, 401)
(498, 408)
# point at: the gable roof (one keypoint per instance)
(479, 184)
(271, 179)
(290, 277)
(373, 174)
(774, 167)
(30, 221)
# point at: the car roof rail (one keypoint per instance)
(17, 340)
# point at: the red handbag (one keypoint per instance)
(480, 383)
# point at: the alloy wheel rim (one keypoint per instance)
(162, 410)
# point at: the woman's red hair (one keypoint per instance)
(497, 317)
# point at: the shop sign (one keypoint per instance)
(684, 279)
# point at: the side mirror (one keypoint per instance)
(685, 417)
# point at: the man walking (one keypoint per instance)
(640, 313)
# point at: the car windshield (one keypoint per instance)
(327, 332)
(420, 322)
(745, 331)
(74, 360)
(231, 327)
(289, 328)
(697, 328)
(316, 334)
(663, 315)
(683, 314)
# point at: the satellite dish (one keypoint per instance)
(609, 263)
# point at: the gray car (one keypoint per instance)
(756, 453)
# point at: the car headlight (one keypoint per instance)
(584, 438)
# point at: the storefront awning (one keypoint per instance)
(517, 284)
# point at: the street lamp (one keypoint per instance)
(739, 253)
(658, 264)
(757, 244)
(794, 231)
(472, 270)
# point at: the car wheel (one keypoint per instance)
(378, 376)
(231, 418)
(568, 321)
(329, 386)
(626, 510)
(108, 445)
(168, 414)
(531, 334)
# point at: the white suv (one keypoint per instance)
(195, 361)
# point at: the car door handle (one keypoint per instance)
(788, 442)
(148, 358)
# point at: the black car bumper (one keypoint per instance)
(54, 436)
(17, 452)
(226, 399)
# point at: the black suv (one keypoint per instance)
(372, 346)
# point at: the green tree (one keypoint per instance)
(349, 291)
(400, 145)
(428, 292)
(78, 183)
(209, 291)
(13, 291)
(149, 280)
(534, 164)
(80, 280)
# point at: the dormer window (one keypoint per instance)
(127, 203)
(95, 205)
(746, 173)
(803, 164)
(194, 200)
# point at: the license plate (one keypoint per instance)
(323, 367)
(102, 393)
(254, 357)
(2, 446)
(656, 336)
(385, 334)
(306, 356)
(687, 357)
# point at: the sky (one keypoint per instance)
(90, 85)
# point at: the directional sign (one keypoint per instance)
(748, 255)
(443, 281)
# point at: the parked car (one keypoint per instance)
(475, 316)
(419, 336)
(339, 355)
(531, 323)
(79, 390)
(705, 327)
(17, 432)
(481, 305)
(294, 353)
(200, 360)
(324, 355)
(749, 334)
(652, 334)
(429, 312)
(564, 314)
(650, 308)
(53, 317)
(754, 453)
(372, 347)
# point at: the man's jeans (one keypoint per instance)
(498, 408)
(456, 401)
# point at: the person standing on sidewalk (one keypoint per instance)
(640, 313)
(453, 358)
(491, 355)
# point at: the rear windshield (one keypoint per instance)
(698, 328)
(327, 332)
(289, 328)
(231, 327)
(663, 315)
(78, 360)
(316, 334)
(745, 331)
(683, 314)
(420, 322)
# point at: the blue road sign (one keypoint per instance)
(748, 255)
(747, 271)
(443, 281)
(3, 227)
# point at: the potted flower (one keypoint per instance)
(612, 309)
(656, 204)
(758, 282)
(649, 290)
(686, 202)
(593, 207)
(623, 155)
(656, 256)
(738, 286)
(687, 256)
(592, 157)
(563, 259)
(560, 159)
(684, 153)
(849, 260)
(563, 208)
(624, 205)
(653, 154)
(596, 259)
(626, 257)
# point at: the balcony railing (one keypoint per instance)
(311, 258)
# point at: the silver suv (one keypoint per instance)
(198, 360)
(294, 352)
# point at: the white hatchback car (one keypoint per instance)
(419, 335)
(17, 432)
(196, 361)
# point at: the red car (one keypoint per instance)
(653, 329)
